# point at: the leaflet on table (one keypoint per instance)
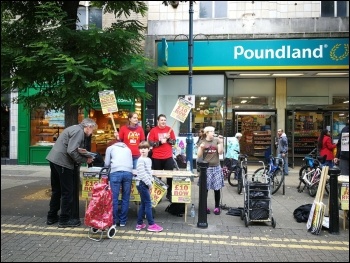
(86, 153)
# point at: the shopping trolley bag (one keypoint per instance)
(99, 214)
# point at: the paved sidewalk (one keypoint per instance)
(26, 237)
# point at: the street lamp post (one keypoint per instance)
(189, 139)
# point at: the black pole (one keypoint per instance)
(202, 203)
(189, 139)
(333, 201)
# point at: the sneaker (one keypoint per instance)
(122, 224)
(208, 211)
(140, 227)
(69, 223)
(217, 211)
(51, 221)
(154, 228)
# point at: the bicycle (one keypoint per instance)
(235, 177)
(308, 159)
(311, 175)
(273, 173)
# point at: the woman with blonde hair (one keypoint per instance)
(209, 150)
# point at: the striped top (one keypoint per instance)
(144, 170)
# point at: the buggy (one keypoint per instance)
(257, 198)
(99, 214)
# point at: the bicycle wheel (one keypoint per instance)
(313, 189)
(327, 187)
(232, 178)
(239, 186)
(240, 180)
(258, 174)
(277, 180)
(303, 170)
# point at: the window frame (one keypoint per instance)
(213, 9)
(89, 12)
(334, 12)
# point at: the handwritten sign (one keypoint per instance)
(108, 101)
(181, 110)
(181, 190)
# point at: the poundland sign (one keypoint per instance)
(281, 53)
(330, 53)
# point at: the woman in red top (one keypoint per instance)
(132, 134)
(162, 138)
(326, 147)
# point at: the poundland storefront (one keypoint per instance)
(251, 86)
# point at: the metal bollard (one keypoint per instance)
(202, 204)
(333, 201)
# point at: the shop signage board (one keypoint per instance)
(266, 54)
(181, 190)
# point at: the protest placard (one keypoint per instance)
(108, 101)
(181, 110)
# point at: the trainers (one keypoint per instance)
(217, 211)
(69, 223)
(154, 228)
(140, 227)
(208, 211)
(122, 224)
(51, 221)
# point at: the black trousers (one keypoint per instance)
(65, 192)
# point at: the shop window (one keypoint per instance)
(47, 125)
(105, 127)
(334, 8)
(213, 9)
(208, 111)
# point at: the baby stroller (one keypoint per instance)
(99, 214)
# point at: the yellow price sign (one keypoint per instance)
(87, 185)
(158, 191)
(181, 190)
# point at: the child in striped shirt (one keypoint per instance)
(144, 183)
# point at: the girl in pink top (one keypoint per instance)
(132, 134)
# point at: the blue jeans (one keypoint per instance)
(329, 163)
(285, 160)
(134, 162)
(146, 204)
(121, 179)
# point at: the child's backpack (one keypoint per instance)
(176, 209)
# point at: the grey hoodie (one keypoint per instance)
(119, 158)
